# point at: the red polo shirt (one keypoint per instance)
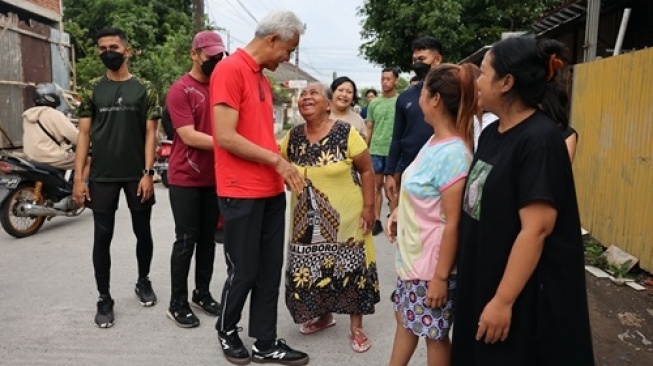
(238, 82)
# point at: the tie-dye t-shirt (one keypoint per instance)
(420, 220)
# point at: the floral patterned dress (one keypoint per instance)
(331, 264)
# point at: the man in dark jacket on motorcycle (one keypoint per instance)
(192, 182)
(118, 116)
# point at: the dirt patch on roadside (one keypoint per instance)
(622, 323)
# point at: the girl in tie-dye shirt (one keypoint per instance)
(425, 223)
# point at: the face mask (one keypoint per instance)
(112, 60)
(208, 66)
(421, 69)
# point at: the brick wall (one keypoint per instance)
(48, 4)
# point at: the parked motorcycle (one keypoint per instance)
(161, 160)
(31, 193)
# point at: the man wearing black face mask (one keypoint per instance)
(118, 116)
(410, 131)
(192, 182)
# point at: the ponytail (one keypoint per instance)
(467, 107)
(555, 100)
(555, 104)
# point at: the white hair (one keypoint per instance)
(285, 24)
(326, 91)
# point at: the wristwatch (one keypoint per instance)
(148, 172)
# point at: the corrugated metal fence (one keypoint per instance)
(11, 96)
(613, 113)
(30, 53)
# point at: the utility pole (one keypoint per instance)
(591, 29)
(222, 29)
(297, 62)
(199, 15)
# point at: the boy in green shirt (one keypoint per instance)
(380, 123)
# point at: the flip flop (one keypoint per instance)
(316, 325)
(359, 341)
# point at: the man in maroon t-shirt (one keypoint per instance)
(250, 180)
(192, 182)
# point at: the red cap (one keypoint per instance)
(209, 42)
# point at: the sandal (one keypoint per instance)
(359, 341)
(315, 325)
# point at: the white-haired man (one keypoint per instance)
(250, 177)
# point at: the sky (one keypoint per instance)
(331, 42)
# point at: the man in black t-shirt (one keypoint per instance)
(117, 117)
(166, 123)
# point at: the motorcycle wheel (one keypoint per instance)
(164, 178)
(19, 227)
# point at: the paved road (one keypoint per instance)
(47, 304)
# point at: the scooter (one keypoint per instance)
(161, 159)
(31, 193)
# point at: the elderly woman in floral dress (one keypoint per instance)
(331, 265)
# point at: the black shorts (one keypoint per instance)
(105, 196)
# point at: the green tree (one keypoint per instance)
(463, 26)
(159, 31)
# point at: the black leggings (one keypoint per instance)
(104, 225)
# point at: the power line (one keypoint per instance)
(332, 56)
(247, 10)
(263, 5)
(326, 50)
(323, 52)
(238, 40)
(360, 71)
(235, 12)
(311, 67)
(277, 4)
(224, 14)
(334, 48)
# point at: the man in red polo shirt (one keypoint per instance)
(250, 177)
(192, 182)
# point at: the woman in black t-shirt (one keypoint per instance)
(521, 283)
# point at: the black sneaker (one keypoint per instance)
(206, 302)
(180, 313)
(104, 316)
(233, 348)
(378, 228)
(144, 291)
(280, 353)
